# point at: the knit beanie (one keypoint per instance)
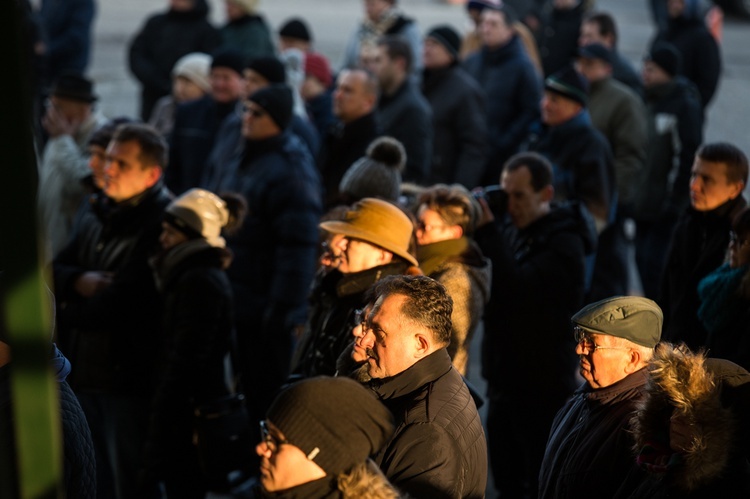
(277, 101)
(336, 422)
(448, 38)
(249, 6)
(316, 65)
(568, 83)
(378, 173)
(270, 68)
(666, 56)
(229, 58)
(199, 214)
(296, 28)
(196, 67)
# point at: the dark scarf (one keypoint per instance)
(721, 304)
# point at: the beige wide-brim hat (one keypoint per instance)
(376, 222)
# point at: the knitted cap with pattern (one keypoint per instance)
(378, 173)
(336, 422)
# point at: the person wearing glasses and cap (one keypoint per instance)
(316, 441)
(589, 451)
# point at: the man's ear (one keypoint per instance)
(548, 193)
(737, 188)
(634, 361)
(422, 344)
(154, 174)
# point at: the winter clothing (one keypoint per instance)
(699, 243)
(513, 93)
(589, 449)
(199, 214)
(73, 86)
(568, 83)
(632, 318)
(712, 396)
(66, 30)
(438, 449)
(377, 175)
(196, 67)
(297, 29)
(229, 58)
(459, 126)
(406, 116)
(250, 35)
(624, 72)
(558, 36)
(161, 42)
(343, 145)
(458, 264)
(667, 57)
(276, 100)
(317, 65)
(448, 38)
(541, 265)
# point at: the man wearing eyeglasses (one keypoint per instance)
(589, 451)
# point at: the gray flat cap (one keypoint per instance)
(633, 318)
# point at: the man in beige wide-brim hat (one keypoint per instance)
(369, 243)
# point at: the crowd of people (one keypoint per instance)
(314, 246)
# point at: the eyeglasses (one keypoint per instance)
(271, 442)
(361, 319)
(255, 113)
(428, 227)
(587, 343)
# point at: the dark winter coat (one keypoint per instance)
(539, 267)
(320, 111)
(714, 397)
(161, 42)
(558, 37)
(343, 145)
(112, 338)
(250, 36)
(66, 30)
(439, 448)
(699, 245)
(589, 448)
(406, 116)
(333, 303)
(196, 124)
(701, 58)
(675, 131)
(513, 92)
(624, 72)
(459, 126)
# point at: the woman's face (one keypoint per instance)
(170, 236)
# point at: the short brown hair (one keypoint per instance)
(454, 203)
(153, 146)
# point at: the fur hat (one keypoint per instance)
(378, 173)
(666, 56)
(377, 222)
(196, 67)
(336, 422)
(568, 83)
(249, 6)
(633, 318)
(73, 86)
(295, 28)
(277, 101)
(199, 214)
(317, 65)
(448, 38)
(228, 58)
(270, 68)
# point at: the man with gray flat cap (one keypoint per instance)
(589, 448)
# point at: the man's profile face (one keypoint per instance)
(226, 84)
(593, 69)
(384, 67)
(652, 75)
(709, 185)
(388, 340)
(493, 30)
(125, 175)
(524, 204)
(257, 124)
(557, 109)
(357, 255)
(602, 367)
(435, 55)
(254, 81)
(589, 34)
(350, 99)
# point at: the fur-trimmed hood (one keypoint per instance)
(710, 394)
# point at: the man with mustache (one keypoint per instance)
(589, 448)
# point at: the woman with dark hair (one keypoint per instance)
(725, 298)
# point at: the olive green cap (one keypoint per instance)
(633, 318)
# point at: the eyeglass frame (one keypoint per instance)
(581, 337)
(360, 319)
(272, 443)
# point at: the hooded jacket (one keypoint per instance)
(713, 395)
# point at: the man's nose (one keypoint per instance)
(262, 449)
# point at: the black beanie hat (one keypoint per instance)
(228, 58)
(277, 101)
(295, 28)
(269, 68)
(666, 56)
(336, 422)
(447, 37)
(568, 83)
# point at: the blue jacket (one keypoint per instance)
(66, 26)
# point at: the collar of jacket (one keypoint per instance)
(425, 371)
(109, 211)
(364, 125)
(431, 78)
(622, 390)
(257, 148)
(384, 99)
(432, 256)
(359, 282)
(728, 211)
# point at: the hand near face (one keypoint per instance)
(90, 283)
(56, 124)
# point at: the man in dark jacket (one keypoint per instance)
(538, 253)
(458, 118)
(403, 113)
(108, 313)
(197, 123)
(276, 246)
(66, 29)
(589, 452)
(166, 37)
(511, 86)
(674, 129)
(354, 102)
(701, 238)
(439, 448)
(557, 35)
(701, 57)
